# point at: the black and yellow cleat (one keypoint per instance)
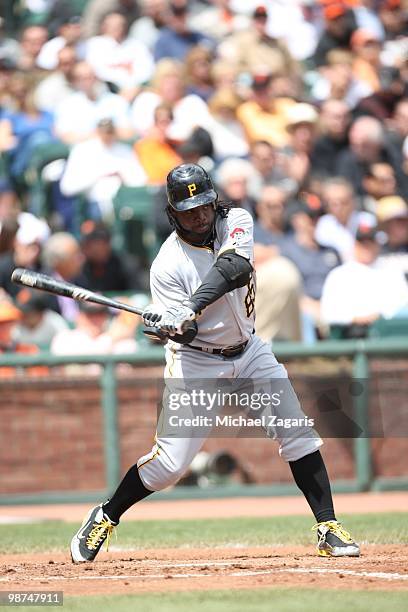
(335, 541)
(96, 528)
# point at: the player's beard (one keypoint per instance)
(205, 238)
(197, 238)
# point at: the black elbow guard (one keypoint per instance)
(234, 268)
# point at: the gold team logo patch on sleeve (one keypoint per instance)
(192, 188)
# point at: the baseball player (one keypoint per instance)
(203, 289)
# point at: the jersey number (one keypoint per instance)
(250, 298)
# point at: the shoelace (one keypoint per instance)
(336, 528)
(99, 532)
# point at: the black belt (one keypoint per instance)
(228, 351)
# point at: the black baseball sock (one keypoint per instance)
(130, 491)
(311, 477)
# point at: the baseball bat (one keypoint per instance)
(28, 278)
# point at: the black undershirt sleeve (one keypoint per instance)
(229, 272)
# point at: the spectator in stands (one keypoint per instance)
(334, 123)
(76, 117)
(313, 260)
(366, 14)
(264, 116)
(270, 226)
(156, 152)
(392, 215)
(26, 253)
(398, 129)
(336, 80)
(225, 76)
(9, 47)
(69, 35)
(9, 317)
(30, 125)
(95, 334)
(198, 148)
(297, 24)
(153, 18)
(7, 139)
(8, 231)
(226, 131)
(379, 182)
(117, 59)
(339, 24)
(176, 38)
(381, 103)
(265, 169)
(366, 47)
(63, 259)
(95, 11)
(278, 292)
(60, 12)
(393, 16)
(189, 111)
(9, 207)
(405, 157)
(220, 19)
(32, 39)
(294, 159)
(38, 323)
(337, 228)
(233, 177)
(97, 167)
(54, 88)
(367, 290)
(198, 75)
(367, 145)
(278, 281)
(103, 269)
(253, 49)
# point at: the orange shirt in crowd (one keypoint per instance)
(157, 159)
(260, 124)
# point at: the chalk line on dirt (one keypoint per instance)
(206, 564)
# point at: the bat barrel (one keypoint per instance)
(28, 278)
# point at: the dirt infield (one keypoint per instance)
(380, 567)
(184, 569)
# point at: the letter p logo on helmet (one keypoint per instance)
(192, 188)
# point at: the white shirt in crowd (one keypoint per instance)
(125, 64)
(52, 91)
(97, 171)
(188, 112)
(355, 290)
(331, 233)
(48, 56)
(79, 115)
(287, 23)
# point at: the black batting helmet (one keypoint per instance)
(189, 186)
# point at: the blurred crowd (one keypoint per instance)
(297, 108)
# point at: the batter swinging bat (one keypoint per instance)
(36, 280)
